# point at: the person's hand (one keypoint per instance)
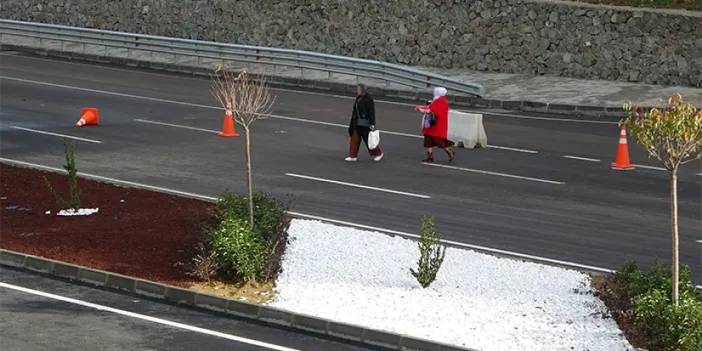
(372, 127)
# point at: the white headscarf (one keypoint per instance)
(439, 92)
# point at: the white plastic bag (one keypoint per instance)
(373, 139)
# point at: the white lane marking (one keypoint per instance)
(111, 180)
(699, 174)
(57, 135)
(651, 167)
(582, 158)
(110, 93)
(220, 108)
(335, 95)
(494, 173)
(302, 215)
(512, 149)
(357, 185)
(147, 318)
(544, 118)
(174, 125)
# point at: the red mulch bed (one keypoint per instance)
(136, 232)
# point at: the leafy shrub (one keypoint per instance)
(253, 254)
(632, 281)
(269, 213)
(235, 247)
(647, 294)
(670, 327)
(431, 253)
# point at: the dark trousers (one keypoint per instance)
(355, 143)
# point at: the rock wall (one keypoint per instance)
(510, 36)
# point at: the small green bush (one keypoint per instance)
(431, 253)
(670, 327)
(249, 253)
(269, 213)
(235, 247)
(648, 295)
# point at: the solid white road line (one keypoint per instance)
(544, 118)
(147, 318)
(110, 180)
(494, 173)
(174, 125)
(357, 185)
(651, 167)
(347, 97)
(110, 93)
(57, 135)
(302, 215)
(220, 108)
(582, 158)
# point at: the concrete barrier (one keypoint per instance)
(466, 129)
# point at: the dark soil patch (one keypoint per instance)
(140, 233)
(621, 309)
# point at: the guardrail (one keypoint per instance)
(95, 40)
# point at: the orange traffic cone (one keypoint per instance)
(88, 117)
(622, 162)
(228, 129)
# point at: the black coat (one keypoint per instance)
(363, 108)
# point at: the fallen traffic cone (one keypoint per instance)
(622, 162)
(228, 129)
(88, 117)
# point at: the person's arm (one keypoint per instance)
(353, 115)
(371, 113)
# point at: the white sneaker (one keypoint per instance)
(378, 158)
(351, 159)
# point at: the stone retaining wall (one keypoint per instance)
(510, 36)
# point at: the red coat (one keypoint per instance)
(440, 109)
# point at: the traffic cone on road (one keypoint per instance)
(228, 129)
(622, 162)
(88, 117)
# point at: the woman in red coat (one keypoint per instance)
(435, 132)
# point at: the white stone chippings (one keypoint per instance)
(478, 301)
(80, 212)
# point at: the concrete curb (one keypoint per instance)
(268, 315)
(406, 96)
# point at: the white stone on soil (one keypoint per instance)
(478, 301)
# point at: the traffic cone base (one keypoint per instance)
(89, 116)
(228, 129)
(616, 167)
(622, 162)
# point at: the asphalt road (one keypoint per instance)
(39, 313)
(527, 194)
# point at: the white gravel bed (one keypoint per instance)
(478, 301)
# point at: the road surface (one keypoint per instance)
(39, 313)
(543, 188)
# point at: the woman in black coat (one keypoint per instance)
(362, 122)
